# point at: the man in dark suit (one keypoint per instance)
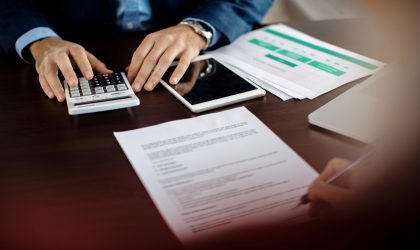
(35, 30)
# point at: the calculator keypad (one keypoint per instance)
(100, 84)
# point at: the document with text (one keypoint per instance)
(292, 64)
(217, 173)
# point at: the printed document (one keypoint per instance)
(293, 63)
(216, 173)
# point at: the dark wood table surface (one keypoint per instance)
(65, 183)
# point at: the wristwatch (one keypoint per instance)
(200, 30)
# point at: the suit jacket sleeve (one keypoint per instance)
(232, 17)
(16, 18)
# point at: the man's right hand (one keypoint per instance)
(53, 54)
(328, 199)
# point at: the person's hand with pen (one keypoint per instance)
(327, 198)
(337, 186)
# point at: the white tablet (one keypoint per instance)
(208, 84)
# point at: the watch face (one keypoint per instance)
(207, 34)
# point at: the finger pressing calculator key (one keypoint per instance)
(103, 92)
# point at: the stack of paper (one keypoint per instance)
(291, 64)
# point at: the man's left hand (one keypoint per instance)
(157, 52)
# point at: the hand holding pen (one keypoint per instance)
(333, 185)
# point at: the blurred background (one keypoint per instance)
(311, 10)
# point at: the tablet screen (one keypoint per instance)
(208, 80)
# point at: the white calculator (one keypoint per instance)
(103, 92)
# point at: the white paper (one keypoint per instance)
(248, 72)
(249, 77)
(302, 66)
(216, 173)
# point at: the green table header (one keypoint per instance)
(324, 50)
(278, 59)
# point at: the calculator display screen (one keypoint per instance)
(208, 80)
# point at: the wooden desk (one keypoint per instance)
(65, 182)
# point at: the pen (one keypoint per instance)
(305, 198)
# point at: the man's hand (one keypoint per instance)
(157, 52)
(52, 54)
(327, 199)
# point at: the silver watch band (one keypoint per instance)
(200, 30)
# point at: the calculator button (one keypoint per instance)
(84, 85)
(110, 88)
(121, 87)
(75, 94)
(87, 92)
(99, 90)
